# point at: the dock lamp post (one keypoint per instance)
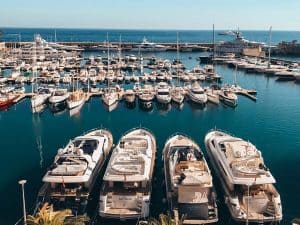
(22, 183)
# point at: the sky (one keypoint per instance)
(152, 14)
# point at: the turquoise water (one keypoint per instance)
(272, 124)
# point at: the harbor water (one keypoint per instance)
(30, 141)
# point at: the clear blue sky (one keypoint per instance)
(152, 14)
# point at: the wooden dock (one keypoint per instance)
(22, 96)
(246, 93)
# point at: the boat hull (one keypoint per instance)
(228, 194)
(75, 104)
(195, 213)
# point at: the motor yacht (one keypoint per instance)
(146, 97)
(69, 180)
(41, 97)
(7, 100)
(197, 94)
(147, 46)
(189, 185)
(228, 97)
(110, 97)
(248, 184)
(129, 96)
(163, 95)
(212, 95)
(126, 187)
(59, 96)
(177, 95)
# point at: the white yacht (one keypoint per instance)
(110, 97)
(70, 179)
(237, 45)
(197, 94)
(76, 99)
(212, 95)
(163, 95)
(177, 96)
(189, 186)
(147, 46)
(248, 184)
(59, 96)
(146, 97)
(126, 187)
(129, 96)
(40, 98)
(228, 97)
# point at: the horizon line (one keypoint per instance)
(143, 29)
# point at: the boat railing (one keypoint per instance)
(136, 128)
(94, 129)
(221, 130)
(182, 134)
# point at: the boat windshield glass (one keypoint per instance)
(198, 92)
(163, 93)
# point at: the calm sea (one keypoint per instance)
(26, 34)
(272, 124)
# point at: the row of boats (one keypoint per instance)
(126, 187)
(283, 72)
(94, 76)
(163, 93)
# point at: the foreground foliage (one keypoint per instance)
(47, 216)
(165, 219)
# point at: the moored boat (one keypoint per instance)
(69, 180)
(228, 97)
(41, 97)
(212, 96)
(76, 98)
(189, 185)
(177, 96)
(129, 96)
(146, 97)
(59, 96)
(7, 100)
(110, 97)
(126, 187)
(248, 184)
(163, 95)
(197, 94)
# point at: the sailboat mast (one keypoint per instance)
(270, 39)
(120, 48)
(177, 59)
(34, 68)
(214, 49)
(107, 42)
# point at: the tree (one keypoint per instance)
(165, 219)
(47, 216)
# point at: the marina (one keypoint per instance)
(135, 116)
(145, 126)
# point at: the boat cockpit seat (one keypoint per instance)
(89, 146)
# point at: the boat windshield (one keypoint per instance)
(200, 92)
(184, 153)
(163, 93)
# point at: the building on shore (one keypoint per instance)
(289, 48)
(254, 52)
